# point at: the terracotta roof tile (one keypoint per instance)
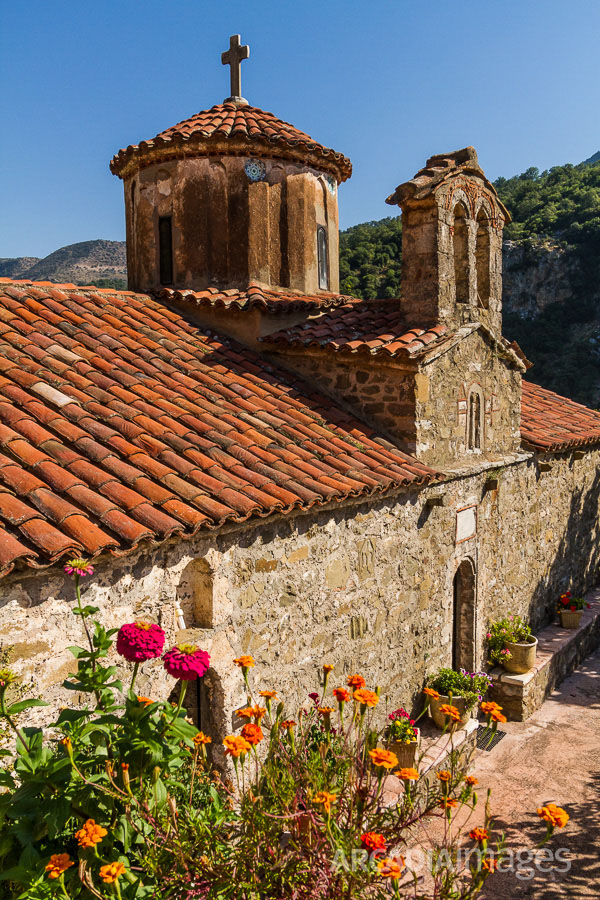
(259, 296)
(88, 467)
(550, 422)
(370, 327)
(230, 128)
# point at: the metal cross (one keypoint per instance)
(233, 58)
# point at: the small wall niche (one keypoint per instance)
(195, 594)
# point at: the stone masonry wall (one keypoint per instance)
(367, 587)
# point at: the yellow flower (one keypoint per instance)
(444, 775)
(327, 668)
(90, 834)
(325, 710)
(111, 872)
(384, 758)
(448, 802)
(325, 798)
(554, 815)
(59, 863)
(471, 780)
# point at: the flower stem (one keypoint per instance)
(136, 667)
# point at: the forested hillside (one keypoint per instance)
(551, 272)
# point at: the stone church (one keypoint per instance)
(263, 465)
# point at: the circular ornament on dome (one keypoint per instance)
(255, 169)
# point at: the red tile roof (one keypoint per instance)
(121, 422)
(370, 327)
(232, 129)
(257, 295)
(552, 422)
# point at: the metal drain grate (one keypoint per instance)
(484, 739)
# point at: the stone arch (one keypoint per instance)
(483, 251)
(460, 242)
(464, 615)
(475, 418)
(195, 595)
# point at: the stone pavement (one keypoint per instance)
(554, 756)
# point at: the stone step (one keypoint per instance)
(560, 651)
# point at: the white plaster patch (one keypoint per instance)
(466, 523)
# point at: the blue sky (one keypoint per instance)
(387, 82)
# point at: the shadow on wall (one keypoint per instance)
(576, 565)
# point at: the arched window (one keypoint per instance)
(461, 254)
(482, 259)
(474, 421)
(195, 595)
(322, 258)
(165, 249)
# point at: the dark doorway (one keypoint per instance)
(463, 636)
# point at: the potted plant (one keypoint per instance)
(402, 737)
(570, 609)
(512, 645)
(460, 689)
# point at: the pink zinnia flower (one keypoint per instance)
(186, 662)
(79, 567)
(139, 641)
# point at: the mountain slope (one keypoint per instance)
(102, 263)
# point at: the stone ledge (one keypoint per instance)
(560, 650)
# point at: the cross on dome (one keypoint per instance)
(233, 58)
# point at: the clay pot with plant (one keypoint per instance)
(512, 645)
(570, 609)
(460, 689)
(402, 737)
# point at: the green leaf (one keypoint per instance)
(17, 708)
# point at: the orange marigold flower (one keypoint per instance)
(258, 712)
(246, 713)
(270, 695)
(90, 834)
(489, 864)
(252, 733)
(431, 693)
(373, 841)
(365, 697)
(554, 815)
(325, 710)
(444, 775)
(288, 724)
(201, 738)
(341, 695)
(497, 716)
(488, 706)
(244, 662)
(325, 798)
(391, 868)
(407, 774)
(384, 758)
(66, 743)
(450, 712)
(59, 863)
(471, 780)
(111, 872)
(235, 745)
(145, 701)
(479, 834)
(356, 681)
(327, 667)
(448, 803)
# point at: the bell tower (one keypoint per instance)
(452, 222)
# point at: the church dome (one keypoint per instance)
(232, 129)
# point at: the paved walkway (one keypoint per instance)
(553, 756)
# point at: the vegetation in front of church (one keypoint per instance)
(561, 205)
(471, 686)
(119, 799)
(508, 630)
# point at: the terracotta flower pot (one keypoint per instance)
(440, 719)
(406, 753)
(569, 619)
(522, 656)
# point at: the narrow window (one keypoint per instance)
(474, 422)
(482, 259)
(132, 204)
(322, 258)
(165, 249)
(461, 255)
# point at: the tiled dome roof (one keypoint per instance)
(234, 129)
